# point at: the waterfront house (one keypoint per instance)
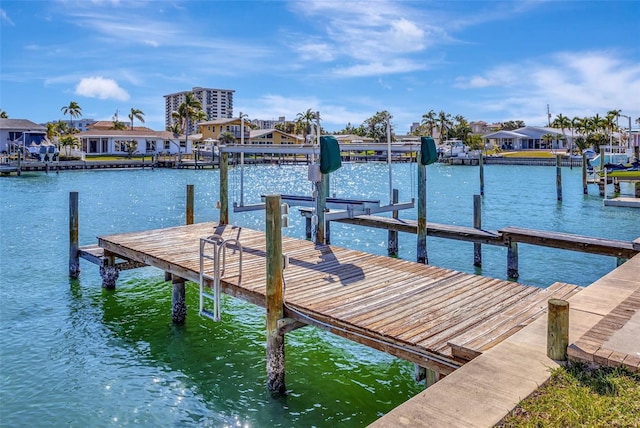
(100, 139)
(16, 134)
(273, 136)
(212, 129)
(529, 138)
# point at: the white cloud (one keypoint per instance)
(372, 38)
(99, 87)
(4, 18)
(572, 83)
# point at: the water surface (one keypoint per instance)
(72, 354)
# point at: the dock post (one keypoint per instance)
(326, 189)
(178, 302)
(616, 186)
(585, 190)
(74, 257)
(109, 272)
(275, 296)
(189, 207)
(321, 236)
(559, 177)
(481, 166)
(421, 253)
(224, 188)
(558, 329)
(477, 224)
(512, 260)
(307, 227)
(392, 235)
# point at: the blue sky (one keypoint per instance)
(491, 61)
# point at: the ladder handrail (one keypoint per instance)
(219, 258)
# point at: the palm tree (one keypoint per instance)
(561, 121)
(429, 121)
(612, 121)
(548, 138)
(304, 121)
(187, 110)
(226, 138)
(461, 129)
(175, 129)
(136, 114)
(73, 110)
(117, 125)
(444, 124)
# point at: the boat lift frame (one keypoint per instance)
(344, 207)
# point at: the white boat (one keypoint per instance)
(453, 148)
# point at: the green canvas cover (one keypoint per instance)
(330, 159)
(428, 152)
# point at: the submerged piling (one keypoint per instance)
(481, 167)
(178, 301)
(224, 188)
(74, 256)
(477, 224)
(421, 253)
(392, 235)
(189, 204)
(512, 260)
(559, 177)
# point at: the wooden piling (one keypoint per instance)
(481, 166)
(74, 256)
(109, 272)
(559, 176)
(178, 301)
(392, 235)
(274, 296)
(512, 260)
(321, 236)
(421, 253)
(189, 204)
(224, 188)
(585, 189)
(477, 224)
(431, 377)
(558, 329)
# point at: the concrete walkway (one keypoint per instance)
(604, 329)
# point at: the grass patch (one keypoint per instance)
(530, 154)
(576, 396)
(100, 158)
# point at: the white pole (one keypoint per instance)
(389, 159)
(242, 160)
(318, 126)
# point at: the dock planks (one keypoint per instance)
(436, 317)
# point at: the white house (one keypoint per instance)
(530, 138)
(101, 140)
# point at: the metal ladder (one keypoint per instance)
(214, 248)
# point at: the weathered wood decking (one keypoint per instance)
(435, 317)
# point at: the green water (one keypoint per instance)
(72, 354)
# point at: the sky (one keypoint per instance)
(493, 61)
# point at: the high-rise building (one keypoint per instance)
(216, 103)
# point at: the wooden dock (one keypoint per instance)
(437, 318)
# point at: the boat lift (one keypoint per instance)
(340, 208)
